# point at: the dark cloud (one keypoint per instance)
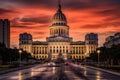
(101, 25)
(111, 12)
(90, 4)
(67, 4)
(22, 26)
(4, 11)
(29, 22)
(41, 20)
(15, 23)
(81, 4)
(31, 3)
(114, 24)
(91, 26)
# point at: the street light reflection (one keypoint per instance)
(32, 72)
(20, 75)
(17, 76)
(98, 75)
(53, 70)
(85, 72)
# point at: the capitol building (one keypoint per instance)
(59, 42)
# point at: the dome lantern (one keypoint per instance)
(59, 18)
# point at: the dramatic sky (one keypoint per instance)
(83, 16)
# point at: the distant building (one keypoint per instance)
(25, 39)
(112, 40)
(91, 42)
(59, 42)
(5, 32)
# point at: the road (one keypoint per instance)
(65, 72)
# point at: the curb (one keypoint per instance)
(115, 73)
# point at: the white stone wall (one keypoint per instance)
(59, 47)
(90, 49)
(40, 51)
(53, 49)
(77, 51)
(26, 47)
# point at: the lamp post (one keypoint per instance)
(98, 52)
(20, 51)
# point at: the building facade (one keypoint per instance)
(91, 43)
(5, 32)
(112, 40)
(59, 42)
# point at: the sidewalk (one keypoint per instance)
(108, 71)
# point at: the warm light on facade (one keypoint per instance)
(59, 41)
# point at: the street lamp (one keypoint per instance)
(98, 52)
(20, 51)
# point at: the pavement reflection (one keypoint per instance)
(98, 75)
(54, 70)
(20, 75)
(64, 72)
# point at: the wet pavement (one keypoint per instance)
(63, 72)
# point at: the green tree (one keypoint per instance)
(9, 55)
(109, 55)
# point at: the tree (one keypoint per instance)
(8, 55)
(109, 55)
(2, 45)
(25, 56)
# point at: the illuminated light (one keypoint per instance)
(85, 72)
(17, 76)
(20, 75)
(53, 70)
(14, 77)
(98, 75)
(36, 71)
(20, 51)
(98, 51)
(32, 72)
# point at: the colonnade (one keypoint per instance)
(78, 50)
(59, 49)
(40, 50)
(59, 31)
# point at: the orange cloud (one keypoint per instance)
(83, 16)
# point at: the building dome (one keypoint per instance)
(59, 18)
(59, 27)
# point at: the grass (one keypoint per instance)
(4, 68)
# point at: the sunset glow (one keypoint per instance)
(83, 16)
